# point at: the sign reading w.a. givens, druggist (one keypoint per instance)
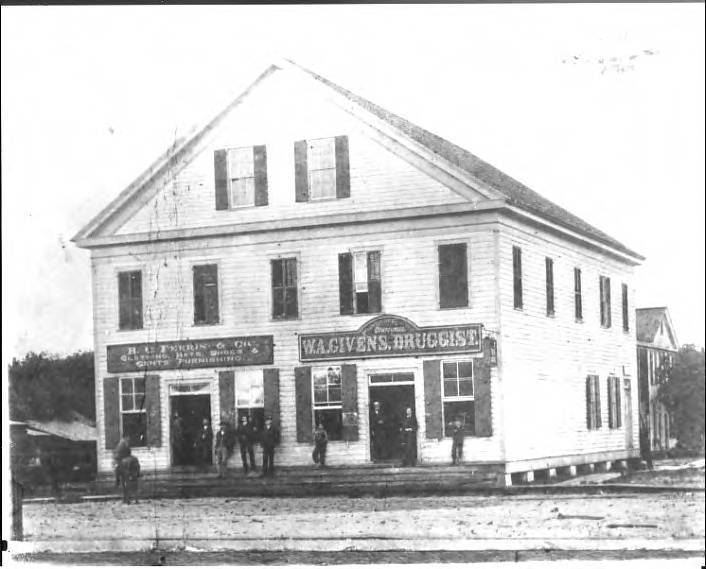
(190, 354)
(386, 336)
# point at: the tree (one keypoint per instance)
(45, 387)
(683, 396)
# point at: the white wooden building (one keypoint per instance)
(308, 252)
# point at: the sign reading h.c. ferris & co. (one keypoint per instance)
(386, 336)
(190, 354)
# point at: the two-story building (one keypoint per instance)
(308, 253)
(656, 348)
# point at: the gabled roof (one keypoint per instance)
(515, 193)
(648, 321)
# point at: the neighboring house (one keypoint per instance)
(656, 348)
(307, 253)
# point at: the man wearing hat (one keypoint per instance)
(269, 439)
(224, 447)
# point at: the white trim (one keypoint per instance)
(393, 371)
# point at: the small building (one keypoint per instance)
(656, 347)
(307, 254)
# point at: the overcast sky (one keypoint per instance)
(600, 108)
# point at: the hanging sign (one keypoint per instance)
(387, 336)
(191, 354)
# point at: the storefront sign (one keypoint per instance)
(386, 336)
(190, 354)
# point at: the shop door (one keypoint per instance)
(393, 399)
(187, 415)
(627, 418)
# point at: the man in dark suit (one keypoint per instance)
(269, 439)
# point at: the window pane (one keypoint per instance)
(453, 276)
(278, 303)
(135, 428)
(290, 270)
(331, 419)
(139, 385)
(450, 388)
(321, 154)
(362, 304)
(465, 369)
(360, 271)
(241, 162)
(277, 272)
(402, 377)
(465, 387)
(450, 370)
(320, 380)
(126, 385)
(322, 184)
(334, 375)
(290, 303)
(139, 401)
(257, 414)
(242, 191)
(465, 410)
(320, 395)
(374, 265)
(127, 403)
(334, 394)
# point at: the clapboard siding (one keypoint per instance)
(545, 360)
(409, 289)
(280, 114)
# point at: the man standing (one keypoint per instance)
(269, 438)
(246, 439)
(378, 429)
(121, 451)
(176, 435)
(130, 473)
(224, 447)
(204, 445)
(409, 438)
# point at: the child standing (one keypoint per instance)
(457, 446)
(320, 444)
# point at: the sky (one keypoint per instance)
(600, 108)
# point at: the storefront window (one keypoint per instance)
(457, 377)
(250, 396)
(132, 410)
(328, 400)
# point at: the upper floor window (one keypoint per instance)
(578, 300)
(604, 291)
(549, 276)
(614, 408)
(360, 282)
(453, 276)
(593, 403)
(241, 177)
(206, 294)
(130, 300)
(626, 318)
(284, 289)
(321, 169)
(517, 277)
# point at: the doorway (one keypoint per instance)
(187, 415)
(385, 418)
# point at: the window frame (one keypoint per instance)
(456, 398)
(517, 285)
(594, 403)
(135, 411)
(309, 169)
(578, 295)
(549, 286)
(437, 246)
(231, 205)
(129, 270)
(249, 408)
(329, 405)
(367, 251)
(219, 319)
(282, 258)
(605, 301)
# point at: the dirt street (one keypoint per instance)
(662, 516)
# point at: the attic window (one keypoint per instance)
(241, 177)
(321, 162)
(321, 169)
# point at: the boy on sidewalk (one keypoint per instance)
(320, 444)
(457, 445)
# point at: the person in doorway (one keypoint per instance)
(408, 430)
(457, 445)
(269, 439)
(122, 450)
(645, 448)
(224, 448)
(378, 431)
(129, 474)
(246, 435)
(176, 437)
(204, 445)
(320, 444)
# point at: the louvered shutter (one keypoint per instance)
(483, 398)
(111, 412)
(271, 389)
(153, 407)
(220, 167)
(432, 399)
(597, 391)
(343, 177)
(589, 406)
(226, 392)
(374, 282)
(260, 161)
(345, 282)
(302, 395)
(349, 379)
(301, 172)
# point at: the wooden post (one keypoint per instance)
(17, 492)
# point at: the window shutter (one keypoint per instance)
(618, 406)
(483, 398)
(374, 282)
(154, 411)
(432, 399)
(226, 389)
(589, 414)
(111, 410)
(301, 172)
(302, 395)
(597, 391)
(345, 282)
(260, 161)
(349, 378)
(220, 166)
(343, 176)
(271, 388)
